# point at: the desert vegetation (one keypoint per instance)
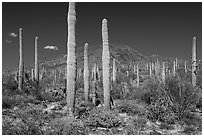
(104, 90)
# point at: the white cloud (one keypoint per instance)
(8, 41)
(12, 34)
(51, 47)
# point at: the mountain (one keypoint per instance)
(122, 53)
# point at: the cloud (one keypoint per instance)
(12, 34)
(51, 47)
(8, 41)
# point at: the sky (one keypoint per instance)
(156, 28)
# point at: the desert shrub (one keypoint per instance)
(116, 92)
(189, 130)
(15, 100)
(98, 117)
(191, 119)
(134, 125)
(172, 100)
(66, 126)
(149, 90)
(23, 122)
(161, 110)
(130, 107)
(166, 126)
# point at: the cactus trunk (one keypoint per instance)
(185, 67)
(32, 74)
(150, 70)
(71, 58)
(86, 73)
(138, 79)
(94, 85)
(106, 63)
(21, 61)
(194, 62)
(114, 71)
(174, 68)
(36, 61)
(163, 72)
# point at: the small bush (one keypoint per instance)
(66, 126)
(23, 122)
(130, 107)
(98, 117)
(171, 101)
(134, 125)
(160, 110)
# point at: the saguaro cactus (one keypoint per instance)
(32, 74)
(138, 79)
(150, 70)
(174, 68)
(21, 61)
(94, 85)
(114, 71)
(185, 67)
(86, 73)
(194, 62)
(36, 61)
(163, 72)
(71, 58)
(106, 63)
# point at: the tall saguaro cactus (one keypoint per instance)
(194, 62)
(94, 85)
(36, 61)
(86, 73)
(114, 71)
(185, 67)
(174, 68)
(21, 61)
(163, 72)
(106, 63)
(71, 58)
(138, 79)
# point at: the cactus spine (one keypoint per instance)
(194, 62)
(106, 63)
(86, 73)
(21, 61)
(36, 61)
(71, 58)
